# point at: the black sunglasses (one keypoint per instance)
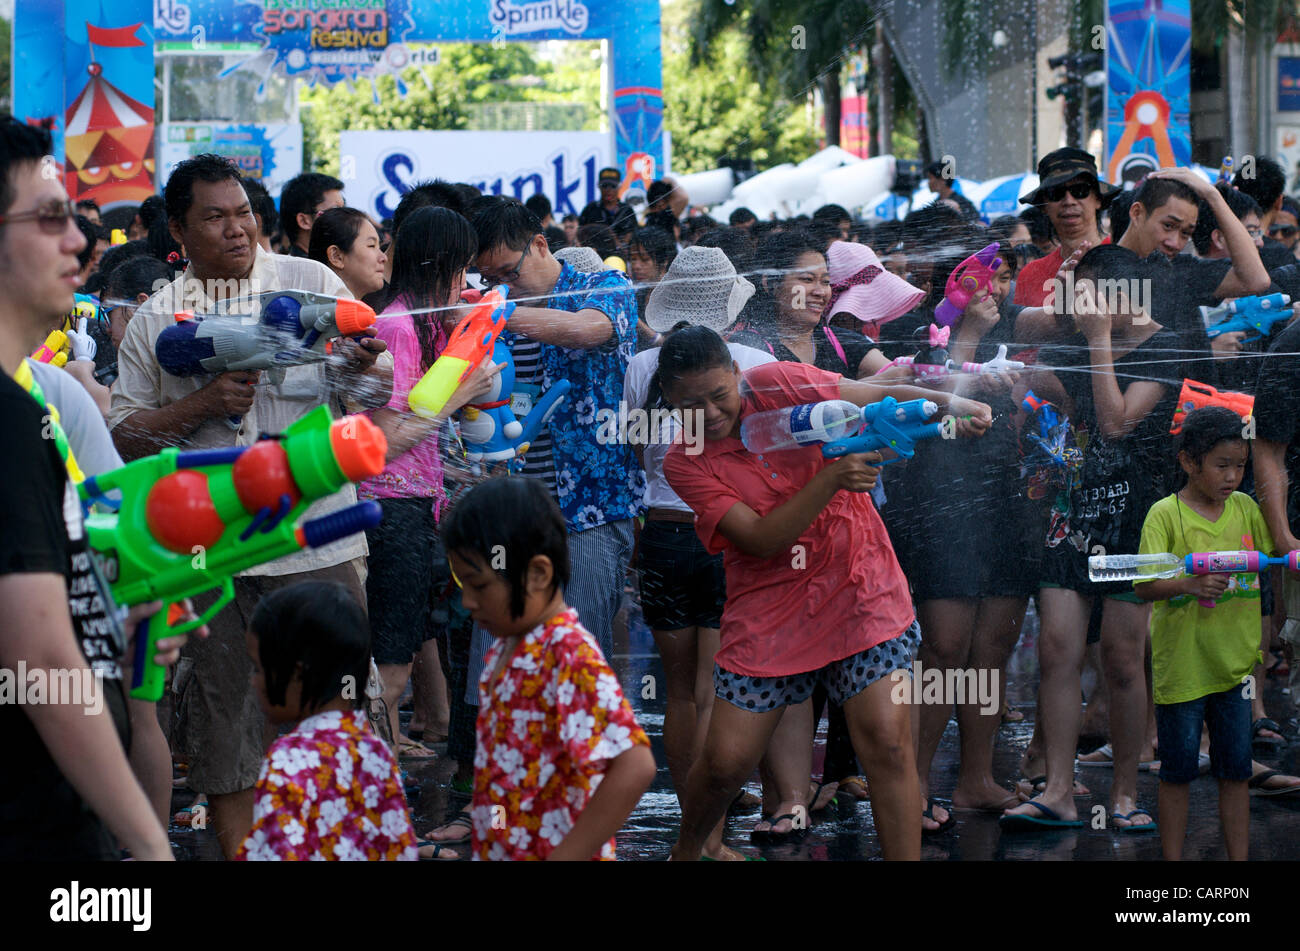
(52, 217)
(1079, 191)
(1284, 230)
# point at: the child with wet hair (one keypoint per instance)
(1205, 628)
(560, 762)
(329, 789)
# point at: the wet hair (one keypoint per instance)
(1040, 226)
(88, 203)
(1291, 208)
(263, 206)
(91, 234)
(514, 517)
(658, 193)
(657, 244)
(1154, 193)
(136, 275)
(664, 220)
(1239, 203)
(113, 258)
(1268, 182)
(1118, 212)
(503, 221)
(695, 227)
(736, 244)
(20, 144)
(151, 209)
(740, 216)
(432, 193)
(932, 227)
(337, 227)
(431, 248)
(301, 194)
(539, 205)
(832, 213)
(318, 631)
(597, 237)
(1203, 429)
(687, 349)
(555, 238)
(178, 194)
(1002, 228)
(886, 236)
(776, 256)
(1107, 262)
(119, 218)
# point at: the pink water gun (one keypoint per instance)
(932, 364)
(968, 279)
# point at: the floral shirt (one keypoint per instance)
(547, 728)
(330, 790)
(595, 483)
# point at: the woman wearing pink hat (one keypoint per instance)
(865, 296)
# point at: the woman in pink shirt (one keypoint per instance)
(430, 255)
(814, 592)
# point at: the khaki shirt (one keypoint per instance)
(142, 385)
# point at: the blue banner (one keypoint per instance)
(1148, 92)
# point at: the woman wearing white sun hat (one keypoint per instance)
(682, 586)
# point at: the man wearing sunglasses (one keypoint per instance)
(66, 789)
(1072, 196)
(1285, 228)
(609, 210)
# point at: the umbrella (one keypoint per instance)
(1004, 194)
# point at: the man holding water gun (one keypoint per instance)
(208, 212)
(67, 790)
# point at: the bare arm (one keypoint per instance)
(38, 631)
(404, 430)
(1118, 412)
(148, 431)
(83, 371)
(627, 777)
(1271, 485)
(584, 330)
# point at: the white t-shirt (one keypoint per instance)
(636, 385)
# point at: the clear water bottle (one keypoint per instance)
(1137, 568)
(797, 426)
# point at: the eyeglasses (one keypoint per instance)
(609, 184)
(1079, 191)
(491, 278)
(1255, 231)
(1283, 231)
(52, 217)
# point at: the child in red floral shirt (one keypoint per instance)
(329, 789)
(561, 761)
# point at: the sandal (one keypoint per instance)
(462, 820)
(1038, 784)
(438, 849)
(928, 813)
(817, 797)
(1257, 788)
(408, 748)
(771, 835)
(1266, 725)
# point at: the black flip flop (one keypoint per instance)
(461, 818)
(928, 813)
(769, 836)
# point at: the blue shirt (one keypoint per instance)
(594, 483)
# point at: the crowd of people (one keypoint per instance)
(779, 586)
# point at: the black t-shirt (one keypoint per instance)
(1277, 409)
(1179, 286)
(41, 815)
(595, 213)
(1275, 254)
(854, 345)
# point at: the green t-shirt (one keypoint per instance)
(1198, 651)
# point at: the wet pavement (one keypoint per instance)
(845, 832)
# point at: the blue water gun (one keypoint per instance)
(489, 427)
(889, 424)
(1247, 313)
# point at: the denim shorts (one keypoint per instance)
(682, 585)
(843, 678)
(1178, 734)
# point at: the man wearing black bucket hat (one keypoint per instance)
(1072, 195)
(608, 210)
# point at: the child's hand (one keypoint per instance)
(477, 384)
(1207, 587)
(981, 314)
(168, 649)
(856, 472)
(973, 418)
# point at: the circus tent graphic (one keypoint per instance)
(108, 136)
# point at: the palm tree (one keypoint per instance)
(799, 42)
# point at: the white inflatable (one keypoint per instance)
(828, 158)
(852, 185)
(708, 188)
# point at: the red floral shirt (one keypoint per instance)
(548, 725)
(330, 791)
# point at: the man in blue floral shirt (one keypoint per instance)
(579, 327)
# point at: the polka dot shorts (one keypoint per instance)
(842, 678)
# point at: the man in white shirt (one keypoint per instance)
(221, 722)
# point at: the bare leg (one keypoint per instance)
(232, 819)
(997, 628)
(881, 731)
(429, 690)
(948, 627)
(394, 677)
(787, 765)
(1234, 814)
(1173, 818)
(1060, 657)
(1124, 631)
(151, 760)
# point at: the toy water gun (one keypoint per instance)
(970, 277)
(1246, 313)
(489, 427)
(189, 521)
(1142, 568)
(931, 364)
(269, 331)
(117, 236)
(471, 343)
(84, 305)
(1225, 170)
(54, 350)
(1196, 395)
(889, 424)
(1051, 459)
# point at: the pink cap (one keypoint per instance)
(862, 287)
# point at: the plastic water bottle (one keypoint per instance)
(1135, 567)
(797, 426)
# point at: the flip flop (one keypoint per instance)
(1012, 800)
(438, 849)
(1141, 827)
(462, 819)
(1256, 785)
(1268, 742)
(769, 835)
(1078, 789)
(814, 808)
(928, 813)
(1019, 822)
(1108, 759)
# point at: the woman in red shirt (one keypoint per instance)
(814, 592)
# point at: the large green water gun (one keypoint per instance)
(190, 521)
